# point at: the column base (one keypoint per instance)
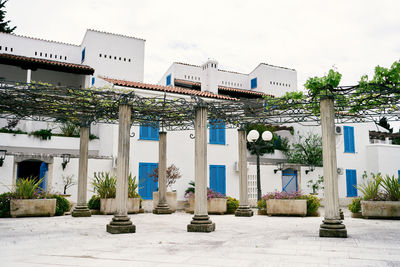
(332, 228)
(162, 209)
(341, 214)
(244, 211)
(121, 224)
(81, 211)
(201, 223)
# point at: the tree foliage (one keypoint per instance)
(4, 24)
(307, 150)
(384, 123)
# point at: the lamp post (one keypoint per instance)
(252, 138)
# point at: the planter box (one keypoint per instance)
(356, 215)
(292, 207)
(214, 205)
(32, 207)
(380, 209)
(109, 205)
(171, 200)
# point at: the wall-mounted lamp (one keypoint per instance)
(311, 168)
(279, 167)
(2, 156)
(65, 158)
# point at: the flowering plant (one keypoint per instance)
(210, 194)
(283, 195)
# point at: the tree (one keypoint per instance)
(384, 123)
(4, 27)
(308, 150)
(172, 174)
(68, 181)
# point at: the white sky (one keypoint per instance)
(309, 36)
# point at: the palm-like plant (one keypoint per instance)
(132, 186)
(104, 184)
(392, 187)
(27, 188)
(370, 189)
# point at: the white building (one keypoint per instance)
(106, 59)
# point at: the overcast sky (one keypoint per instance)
(309, 36)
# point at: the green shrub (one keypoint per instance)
(5, 204)
(392, 187)
(104, 184)
(69, 129)
(44, 134)
(62, 204)
(27, 188)
(355, 205)
(262, 204)
(313, 203)
(231, 205)
(94, 203)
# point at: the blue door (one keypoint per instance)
(289, 181)
(351, 183)
(218, 178)
(44, 167)
(147, 185)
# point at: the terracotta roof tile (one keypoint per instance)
(32, 62)
(168, 89)
(187, 82)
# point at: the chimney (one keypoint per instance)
(209, 77)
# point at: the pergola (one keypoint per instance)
(85, 106)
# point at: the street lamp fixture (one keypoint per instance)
(65, 158)
(252, 138)
(2, 156)
(311, 168)
(279, 167)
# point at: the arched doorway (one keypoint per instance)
(35, 169)
(289, 180)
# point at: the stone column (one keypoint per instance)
(81, 208)
(162, 207)
(201, 221)
(121, 223)
(244, 208)
(332, 225)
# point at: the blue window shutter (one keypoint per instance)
(144, 132)
(146, 184)
(142, 180)
(221, 176)
(253, 83)
(154, 132)
(93, 80)
(168, 80)
(351, 182)
(221, 134)
(213, 177)
(44, 167)
(83, 54)
(213, 133)
(348, 132)
(398, 175)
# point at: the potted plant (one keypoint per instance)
(282, 203)
(172, 174)
(104, 184)
(29, 200)
(68, 181)
(381, 197)
(316, 185)
(355, 208)
(216, 202)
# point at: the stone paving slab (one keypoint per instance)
(162, 240)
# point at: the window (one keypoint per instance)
(65, 57)
(217, 132)
(129, 60)
(55, 56)
(351, 183)
(168, 80)
(253, 83)
(149, 132)
(348, 133)
(51, 55)
(110, 57)
(147, 185)
(40, 53)
(11, 49)
(99, 55)
(115, 57)
(93, 80)
(35, 52)
(6, 48)
(218, 178)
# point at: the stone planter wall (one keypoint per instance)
(214, 205)
(32, 207)
(171, 200)
(108, 206)
(380, 209)
(292, 207)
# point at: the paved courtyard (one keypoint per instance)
(162, 240)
